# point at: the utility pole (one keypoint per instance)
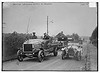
(28, 25)
(27, 29)
(47, 25)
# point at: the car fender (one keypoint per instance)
(64, 48)
(19, 52)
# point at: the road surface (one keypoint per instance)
(50, 63)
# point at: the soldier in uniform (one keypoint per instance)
(34, 36)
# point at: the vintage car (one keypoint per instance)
(36, 48)
(62, 42)
(72, 50)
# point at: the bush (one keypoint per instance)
(11, 43)
(95, 42)
(94, 37)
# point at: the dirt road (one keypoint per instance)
(50, 63)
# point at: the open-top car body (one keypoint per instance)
(36, 48)
(72, 50)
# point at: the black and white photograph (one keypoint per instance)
(49, 36)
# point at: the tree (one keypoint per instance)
(75, 36)
(94, 36)
(94, 33)
(13, 42)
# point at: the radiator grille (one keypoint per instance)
(27, 47)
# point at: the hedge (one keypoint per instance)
(11, 43)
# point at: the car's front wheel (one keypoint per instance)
(40, 56)
(20, 58)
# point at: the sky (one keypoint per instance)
(70, 18)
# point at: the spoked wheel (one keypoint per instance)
(55, 52)
(63, 54)
(67, 56)
(20, 58)
(41, 56)
(78, 56)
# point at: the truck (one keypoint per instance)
(39, 48)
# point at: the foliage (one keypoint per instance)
(94, 36)
(75, 36)
(59, 35)
(13, 41)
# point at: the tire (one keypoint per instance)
(67, 56)
(63, 54)
(55, 52)
(40, 56)
(63, 57)
(20, 58)
(78, 56)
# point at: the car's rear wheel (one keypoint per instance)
(55, 52)
(40, 56)
(67, 56)
(78, 56)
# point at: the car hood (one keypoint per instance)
(75, 47)
(34, 41)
